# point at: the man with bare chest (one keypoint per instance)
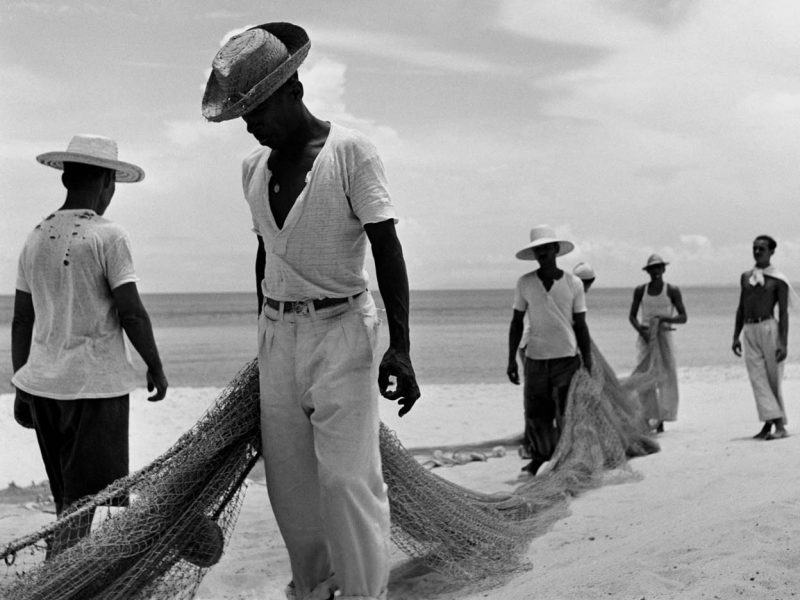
(765, 339)
(319, 198)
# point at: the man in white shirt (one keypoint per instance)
(318, 197)
(555, 305)
(76, 294)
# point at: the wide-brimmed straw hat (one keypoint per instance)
(654, 260)
(94, 150)
(541, 235)
(251, 66)
(583, 271)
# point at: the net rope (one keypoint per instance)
(184, 505)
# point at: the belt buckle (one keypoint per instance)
(300, 308)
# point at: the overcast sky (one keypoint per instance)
(631, 126)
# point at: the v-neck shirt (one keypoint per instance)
(320, 252)
(550, 313)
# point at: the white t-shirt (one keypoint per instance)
(321, 250)
(70, 263)
(550, 314)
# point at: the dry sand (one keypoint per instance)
(713, 515)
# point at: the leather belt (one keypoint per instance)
(300, 307)
(758, 319)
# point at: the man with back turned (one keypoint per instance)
(76, 295)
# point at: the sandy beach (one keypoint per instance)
(713, 515)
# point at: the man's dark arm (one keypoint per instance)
(736, 346)
(390, 268)
(633, 315)
(136, 322)
(783, 321)
(676, 298)
(261, 263)
(21, 336)
(581, 329)
(21, 329)
(514, 338)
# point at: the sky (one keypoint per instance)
(629, 126)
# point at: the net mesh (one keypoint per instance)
(183, 506)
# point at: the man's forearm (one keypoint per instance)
(514, 338)
(783, 329)
(738, 324)
(261, 263)
(21, 335)
(139, 330)
(393, 286)
(584, 343)
(21, 329)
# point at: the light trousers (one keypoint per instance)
(763, 368)
(319, 424)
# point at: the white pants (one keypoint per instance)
(764, 370)
(319, 427)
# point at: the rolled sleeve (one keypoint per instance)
(368, 189)
(22, 282)
(119, 263)
(520, 303)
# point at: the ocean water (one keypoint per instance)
(457, 336)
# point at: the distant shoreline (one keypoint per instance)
(596, 287)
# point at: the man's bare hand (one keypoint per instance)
(156, 380)
(781, 353)
(405, 391)
(737, 347)
(513, 373)
(22, 411)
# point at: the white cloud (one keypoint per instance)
(189, 133)
(324, 84)
(406, 49)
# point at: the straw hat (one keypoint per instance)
(541, 235)
(93, 150)
(250, 67)
(583, 271)
(654, 260)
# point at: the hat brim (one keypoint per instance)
(125, 172)
(651, 265)
(217, 106)
(564, 247)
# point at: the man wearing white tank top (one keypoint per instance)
(661, 307)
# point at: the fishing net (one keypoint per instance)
(184, 505)
(181, 511)
(653, 384)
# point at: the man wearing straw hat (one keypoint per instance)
(76, 294)
(585, 273)
(763, 288)
(661, 307)
(555, 305)
(317, 193)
